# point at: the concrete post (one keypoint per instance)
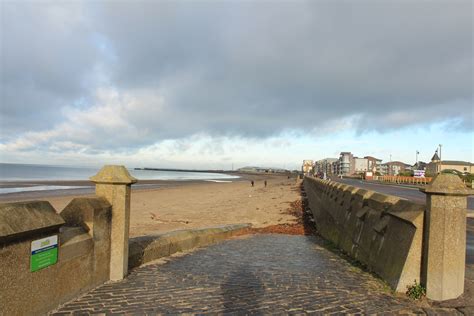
(444, 244)
(114, 184)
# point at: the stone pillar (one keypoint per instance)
(444, 244)
(114, 184)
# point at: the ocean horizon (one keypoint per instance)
(10, 172)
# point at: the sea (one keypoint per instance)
(27, 174)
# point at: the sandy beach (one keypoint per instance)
(171, 205)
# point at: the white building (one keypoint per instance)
(324, 166)
(361, 165)
(307, 167)
(374, 164)
(345, 164)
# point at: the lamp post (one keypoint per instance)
(390, 166)
(417, 152)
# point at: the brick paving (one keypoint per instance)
(257, 274)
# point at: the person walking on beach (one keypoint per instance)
(265, 182)
(251, 182)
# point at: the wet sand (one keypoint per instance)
(162, 206)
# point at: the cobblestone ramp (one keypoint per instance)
(261, 274)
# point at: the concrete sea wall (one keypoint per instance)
(83, 253)
(383, 232)
(49, 258)
(83, 230)
(147, 248)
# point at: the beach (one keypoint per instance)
(163, 206)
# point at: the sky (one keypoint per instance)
(226, 84)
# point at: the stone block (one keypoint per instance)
(23, 292)
(94, 216)
(83, 254)
(383, 232)
(396, 253)
(75, 242)
(27, 219)
(445, 237)
(113, 183)
(367, 234)
(151, 247)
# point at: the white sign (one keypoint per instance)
(44, 252)
(419, 173)
(47, 242)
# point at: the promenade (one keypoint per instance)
(253, 274)
(257, 272)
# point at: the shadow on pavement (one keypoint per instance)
(242, 291)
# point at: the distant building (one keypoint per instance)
(252, 170)
(307, 167)
(345, 164)
(435, 157)
(261, 170)
(395, 167)
(360, 165)
(436, 165)
(374, 164)
(335, 167)
(277, 170)
(420, 165)
(324, 166)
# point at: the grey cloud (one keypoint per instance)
(47, 60)
(254, 69)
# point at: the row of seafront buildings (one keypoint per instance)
(250, 169)
(347, 165)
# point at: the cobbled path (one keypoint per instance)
(258, 274)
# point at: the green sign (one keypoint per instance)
(44, 252)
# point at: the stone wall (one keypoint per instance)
(147, 248)
(383, 232)
(83, 230)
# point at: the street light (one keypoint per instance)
(390, 166)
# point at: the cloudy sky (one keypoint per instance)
(208, 84)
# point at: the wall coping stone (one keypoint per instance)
(363, 193)
(146, 248)
(81, 210)
(25, 219)
(75, 242)
(351, 189)
(407, 216)
(113, 174)
(447, 184)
